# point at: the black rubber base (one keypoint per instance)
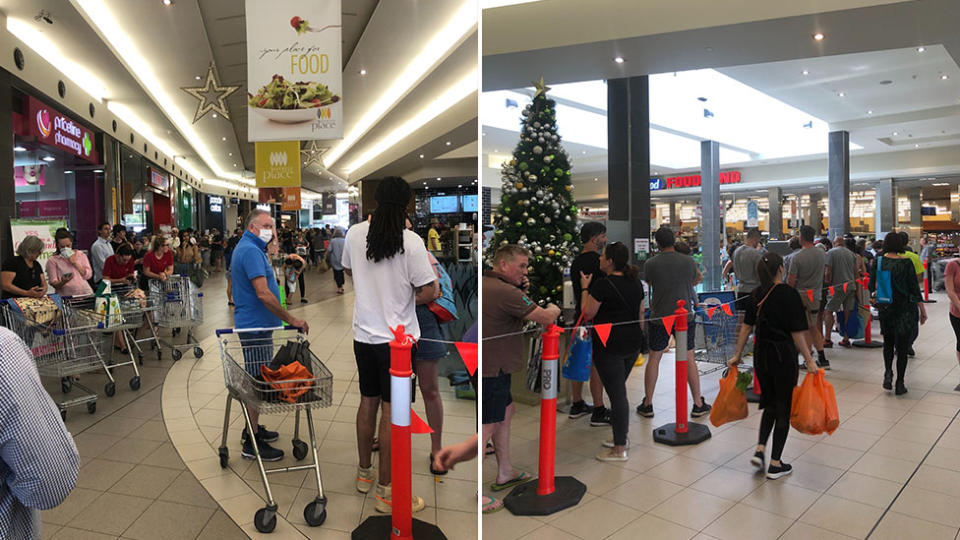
(696, 434)
(524, 501)
(379, 527)
(864, 345)
(931, 301)
(752, 397)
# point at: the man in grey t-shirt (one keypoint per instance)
(840, 267)
(806, 275)
(745, 260)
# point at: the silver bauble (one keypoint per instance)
(546, 220)
(531, 222)
(538, 149)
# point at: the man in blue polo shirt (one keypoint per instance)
(257, 299)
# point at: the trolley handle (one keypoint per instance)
(223, 331)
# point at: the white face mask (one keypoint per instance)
(193, 241)
(176, 243)
(66, 252)
(266, 235)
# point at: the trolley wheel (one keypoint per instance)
(91, 408)
(177, 354)
(262, 522)
(197, 352)
(110, 389)
(315, 513)
(66, 384)
(224, 457)
(135, 382)
(299, 449)
(63, 414)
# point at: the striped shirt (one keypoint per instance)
(38, 459)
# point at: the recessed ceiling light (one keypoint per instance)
(230, 154)
(596, 179)
(424, 183)
(214, 115)
(197, 77)
(805, 72)
(944, 77)
(71, 172)
(167, 2)
(484, 133)
(448, 143)
(618, 60)
(870, 111)
(921, 49)
(223, 138)
(841, 94)
(421, 156)
(234, 164)
(584, 151)
(459, 185)
(49, 158)
(438, 179)
(916, 146)
(895, 133)
(818, 36)
(96, 170)
(363, 72)
(19, 149)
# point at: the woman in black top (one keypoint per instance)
(781, 329)
(898, 319)
(615, 296)
(21, 276)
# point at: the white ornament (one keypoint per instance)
(536, 124)
(546, 220)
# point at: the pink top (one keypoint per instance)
(953, 273)
(57, 266)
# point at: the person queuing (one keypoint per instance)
(918, 268)
(21, 275)
(593, 236)
(615, 296)
(903, 313)
(391, 276)
(228, 259)
(778, 317)
(187, 258)
(951, 281)
(335, 254)
(139, 251)
(120, 268)
(99, 251)
(806, 274)
(158, 262)
(840, 267)
(216, 250)
(671, 277)
(794, 244)
(293, 267)
(69, 271)
(928, 252)
(505, 308)
(744, 266)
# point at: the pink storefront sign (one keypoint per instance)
(51, 208)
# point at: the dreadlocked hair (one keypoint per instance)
(385, 237)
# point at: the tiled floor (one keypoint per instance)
(891, 470)
(148, 471)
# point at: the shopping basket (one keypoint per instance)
(179, 305)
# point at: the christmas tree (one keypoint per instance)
(536, 208)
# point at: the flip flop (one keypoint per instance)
(519, 479)
(491, 505)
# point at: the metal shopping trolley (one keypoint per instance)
(243, 353)
(134, 305)
(716, 338)
(64, 347)
(179, 305)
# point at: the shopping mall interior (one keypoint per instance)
(746, 114)
(136, 114)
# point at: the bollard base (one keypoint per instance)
(930, 301)
(524, 501)
(667, 434)
(752, 397)
(864, 345)
(381, 527)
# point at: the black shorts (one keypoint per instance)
(373, 369)
(744, 301)
(496, 398)
(659, 339)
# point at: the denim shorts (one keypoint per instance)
(430, 329)
(257, 350)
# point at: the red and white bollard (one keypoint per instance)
(547, 494)
(400, 525)
(681, 432)
(867, 341)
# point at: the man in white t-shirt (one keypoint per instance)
(391, 274)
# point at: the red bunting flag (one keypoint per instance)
(710, 310)
(831, 290)
(726, 309)
(417, 425)
(810, 294)
(845, 286)
(603, 332)
(668, 322)
(468, 352)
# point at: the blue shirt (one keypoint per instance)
(250, 261)
(38, 460)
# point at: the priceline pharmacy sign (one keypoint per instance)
(56, 129)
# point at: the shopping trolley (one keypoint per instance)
(716, 338)
(133, 307)
(65, 347)
(179, 305)
(243, 353)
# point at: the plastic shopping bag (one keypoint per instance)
(107, 306)
(577, 365)
(830, 403)
(814, 408)
(731, 402)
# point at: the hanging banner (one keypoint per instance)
(753, 210)
(278, 164)
(291, 200)
(42, 229)
(294, 70)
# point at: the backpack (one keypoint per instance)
(445, 307)
(884, 284)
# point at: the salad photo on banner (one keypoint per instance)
(294, 70)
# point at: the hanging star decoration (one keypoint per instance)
(541, 87)
(211, 95)
(311, 154)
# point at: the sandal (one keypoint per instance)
(491, 505)
(434, 471)
(519, 479)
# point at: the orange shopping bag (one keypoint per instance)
(731, 402)
(830, 404)
(814, 407)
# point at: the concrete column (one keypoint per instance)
(775, 215)
(955, 205)
(674, 215)
(628, 159)
(712, 228)
(916, 217)
(885, 219)
(838, 183)
(812, 214)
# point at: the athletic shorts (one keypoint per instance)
(843, 301)
(744, 301)
(660, 339)
(496, 398)
(373, 369)
(429, 351)
(811, 309)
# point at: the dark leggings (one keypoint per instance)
(613, 370)
(899, 343)
(955, 323)
(338, 277)
(776, 419)
(777, 372)
(303, 289)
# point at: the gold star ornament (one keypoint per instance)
(541, 87)
(211, 95)
(311, 154)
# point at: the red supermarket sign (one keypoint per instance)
(52, 127)
(693, 180)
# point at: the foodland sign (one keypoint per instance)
(56, 129)
(691, 180)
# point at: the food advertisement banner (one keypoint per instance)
(277, 164)
(294, 70)
(42, 229)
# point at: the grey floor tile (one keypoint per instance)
(169, 521)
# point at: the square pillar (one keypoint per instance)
(628, 160)
(712, 226)
(916, 203)
(838, 183)
(775, 215)
(886, 211)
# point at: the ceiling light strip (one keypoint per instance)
(454, 94)
(461, 25)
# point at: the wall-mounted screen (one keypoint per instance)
(469, 203)
(445, 204)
